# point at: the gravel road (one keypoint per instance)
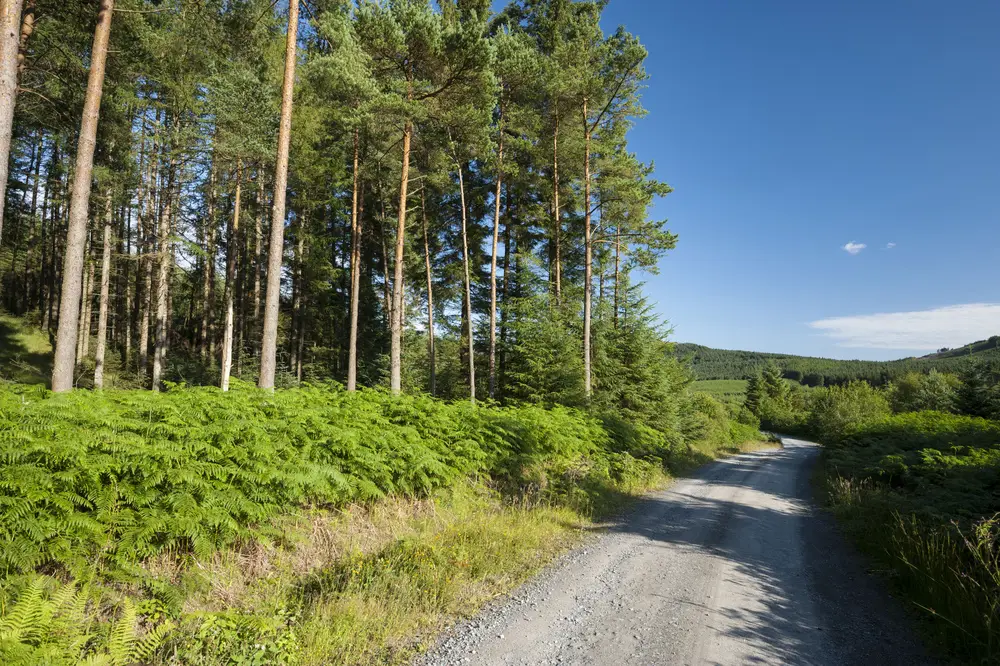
(732, 566)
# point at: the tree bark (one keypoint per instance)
(493, 265)
(88, 304)
(293, 343)
(588, 253)
(556, 212)
(269, 339)
(208, 272)
(468, 287)
(102, 314)
(10, 33)
(352, 342)
(618, 250)
(69, 307)
(300, 330)
(257, 248)
(146, 255)
(396, 312)
(165, 254)
(431, 360)
(232, 243)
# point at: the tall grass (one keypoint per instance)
(919, 493)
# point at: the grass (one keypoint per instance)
(25, 352)
(374, 584)
(919, 494)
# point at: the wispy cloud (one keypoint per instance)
(924, 330)
(889, 246)
(854, 248)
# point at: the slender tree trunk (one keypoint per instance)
(127, 318)
(588, 252)
(386, 280)
(257, 248)
(146, 256)
(431, 355)
(207, 274)
(165, 254)
(102, 314)
(232, 243)
(10, 33)
(88, 303)
(352, 342)
(300, 330)
(396, 312)
(69, 307)
(293, 343)
(82, 329)
(28, 262)
(493, 265)
(468, 287)
(618, 250)
(506, 292)
(269, 339)
(556, 212)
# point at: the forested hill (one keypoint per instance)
(709, 363)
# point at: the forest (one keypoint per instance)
(711, 364)
(381, 194)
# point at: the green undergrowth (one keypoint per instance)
(308, 525)
(920, 493)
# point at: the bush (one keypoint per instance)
(915, 392)
(837, 410)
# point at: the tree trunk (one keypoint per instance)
(10, 33)
(231, 275)
(431, 360)
(300, 330)
(352, 342)
(556, 212)
(269, 339)
(82, 327)
(102, 314)
(507, 249)
(468, 287)
(146, 256)
(588, 252)
(88, 303)
(618, 250)
(208, 272)
(293, 343)
(165, 254)
(396, 312)
(69, 306)
(493, 265)
(257, 248)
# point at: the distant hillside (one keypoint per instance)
(709, 363)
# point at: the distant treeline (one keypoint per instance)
(709, 363)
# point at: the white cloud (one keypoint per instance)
(854, 248)
(889, 246)
(924, 330)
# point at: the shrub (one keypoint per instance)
(837, 410)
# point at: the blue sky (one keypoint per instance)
(790, 129)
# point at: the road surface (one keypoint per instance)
(732, 566)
